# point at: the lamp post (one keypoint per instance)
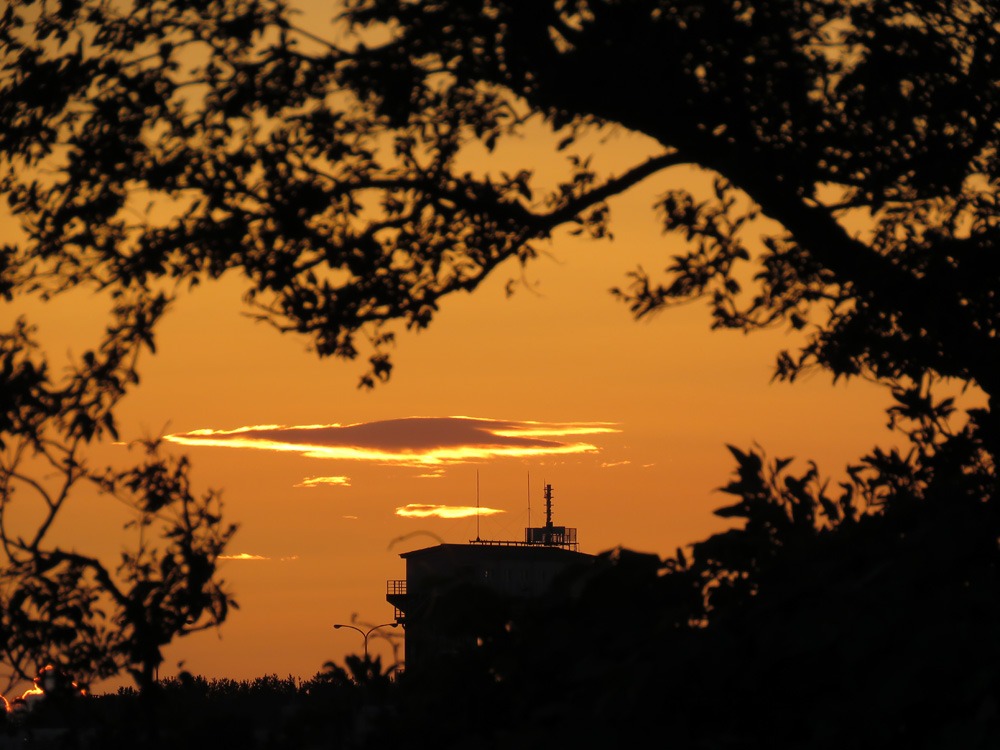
(366, 633)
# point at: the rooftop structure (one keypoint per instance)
(544, 536)
(448, 586)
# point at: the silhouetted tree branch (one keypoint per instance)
(62, 606)
(335, 178)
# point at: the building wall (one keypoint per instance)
(455, 590)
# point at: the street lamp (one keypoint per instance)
(366, 633)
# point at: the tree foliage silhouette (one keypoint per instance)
(861, 615)
(179, 141)
(356, 181)
(66, 607)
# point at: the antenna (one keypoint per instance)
(477, 505)
(529, 499)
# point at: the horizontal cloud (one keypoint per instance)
(413, 441)
(613, 464)
(325, 482)
(420, 510)
(431, 474)
(256, 558)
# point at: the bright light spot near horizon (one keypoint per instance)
(413, 441)
(421, 510)
(243, 556)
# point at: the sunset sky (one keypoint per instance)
(628, 421)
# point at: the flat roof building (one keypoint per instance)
(450, 587)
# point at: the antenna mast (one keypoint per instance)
(548, 514)
(477, 505)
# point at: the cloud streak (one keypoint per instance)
(414, 441)
(324, 482)
(422, 510)
(614, 464)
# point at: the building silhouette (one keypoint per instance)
(453, 592)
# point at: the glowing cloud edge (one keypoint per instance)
(423, 510)
(334, 481)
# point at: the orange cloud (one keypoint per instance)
(414, 441)
(420, 510)
(256, 558)
(325, 482)
(431, 474)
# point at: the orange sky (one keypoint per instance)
(320, 530)
(668, 394)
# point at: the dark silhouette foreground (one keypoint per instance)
(877, 632)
